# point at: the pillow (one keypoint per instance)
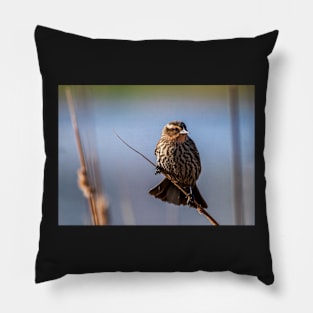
(154, 155)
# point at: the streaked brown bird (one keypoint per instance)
(178, 156)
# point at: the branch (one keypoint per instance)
(200, 209)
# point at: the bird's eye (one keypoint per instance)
(176, 129)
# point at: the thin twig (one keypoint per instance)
(130, 147)
(199, 207)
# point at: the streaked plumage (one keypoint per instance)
(178, 155)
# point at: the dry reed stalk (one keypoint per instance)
(102, 204)
(199, 207)
(83, 180)
(102, 209)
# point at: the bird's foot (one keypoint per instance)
(190, 199)
(158, 170)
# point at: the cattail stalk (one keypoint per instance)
(82, 173)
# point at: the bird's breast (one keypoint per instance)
(179, 160)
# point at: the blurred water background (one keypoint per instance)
(138, 114)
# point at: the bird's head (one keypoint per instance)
(175, 131)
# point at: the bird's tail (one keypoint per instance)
(197, 195)
(167, 191)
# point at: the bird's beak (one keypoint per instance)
(184, 132)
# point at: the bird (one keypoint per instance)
(178, 156)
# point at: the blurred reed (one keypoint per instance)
(89, 180)
(236, 155)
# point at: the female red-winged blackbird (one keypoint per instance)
(178, 156)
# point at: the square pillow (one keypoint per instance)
(117, 111)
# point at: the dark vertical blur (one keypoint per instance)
(236, 149)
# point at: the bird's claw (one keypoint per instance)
(158, 170)
(190, 199)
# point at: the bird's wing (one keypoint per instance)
(194, 149)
